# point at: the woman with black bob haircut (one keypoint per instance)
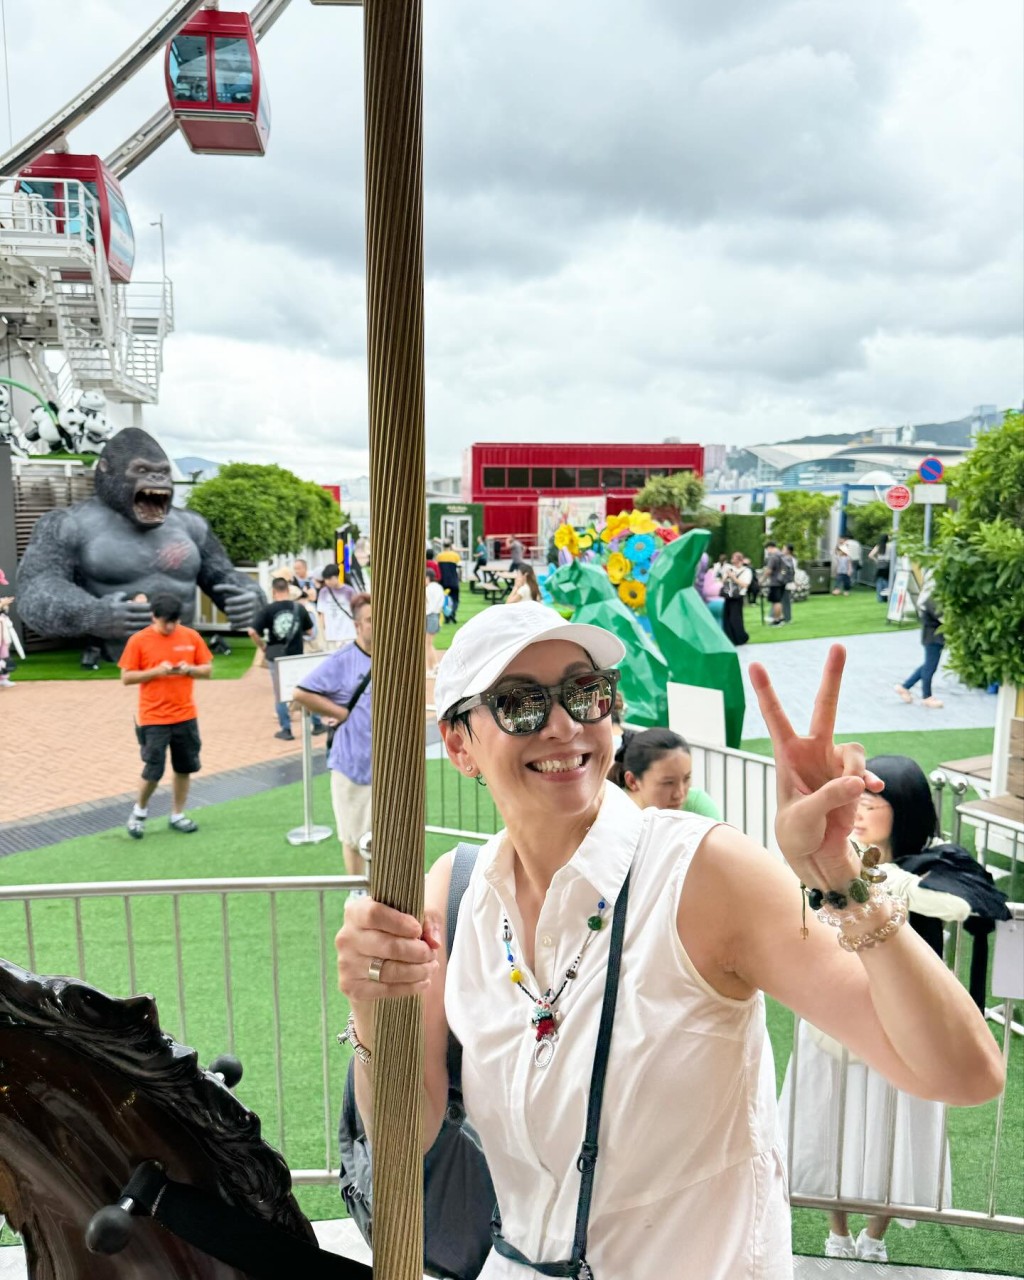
(941, 884)
(655, 767)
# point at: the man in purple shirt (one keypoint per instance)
(339, 689)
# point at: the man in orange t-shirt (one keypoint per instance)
(163, 660)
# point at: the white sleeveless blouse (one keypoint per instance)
(690, 1181)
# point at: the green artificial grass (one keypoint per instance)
(65, 664)
(246, 838)
(820, 617)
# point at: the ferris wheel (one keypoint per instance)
(67, 246)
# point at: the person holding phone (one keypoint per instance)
(164, 660)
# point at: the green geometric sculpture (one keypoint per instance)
(644, 671)
(693, 644)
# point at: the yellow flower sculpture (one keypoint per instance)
(566, 539)
(641, 522)
(615, 527)
(633, 594)
(617, 567)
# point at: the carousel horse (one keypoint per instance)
(120, 1157)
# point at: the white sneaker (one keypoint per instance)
(840, 1246)
(870, 1249)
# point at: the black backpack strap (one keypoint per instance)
(462, 870)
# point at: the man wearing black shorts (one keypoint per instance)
(164, 660)
(774, 582)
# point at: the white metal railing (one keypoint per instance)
(742, 784)
(299, 918)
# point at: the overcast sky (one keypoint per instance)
(721, 220)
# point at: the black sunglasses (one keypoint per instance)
(525, 708)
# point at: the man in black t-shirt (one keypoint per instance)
(279, 631)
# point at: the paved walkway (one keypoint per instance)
(70, 744)
(69, 748)
(867, 704)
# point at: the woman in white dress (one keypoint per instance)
(900, 822)
(689, 1179)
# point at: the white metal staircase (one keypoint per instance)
(111, 334)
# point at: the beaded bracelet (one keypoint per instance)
(864, 892)
(892, 926)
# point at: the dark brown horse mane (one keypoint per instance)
(125, 1036)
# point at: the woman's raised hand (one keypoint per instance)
(373, 932)
(819, 783)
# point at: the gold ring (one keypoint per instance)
(375, 968)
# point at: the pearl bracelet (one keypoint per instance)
(892, 926)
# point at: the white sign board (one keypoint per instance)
(579, 512)
(899, 597)
(289, 672)
(930, 493)
(697, 713)
(1008, 962)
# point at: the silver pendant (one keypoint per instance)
(544, 1050)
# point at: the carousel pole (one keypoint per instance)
(394, 269)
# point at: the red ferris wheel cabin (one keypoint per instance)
(215, 87)
(84, 199)
(525, 488)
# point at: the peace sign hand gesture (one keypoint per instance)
(819, 783)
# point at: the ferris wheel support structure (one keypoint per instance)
(102, 88)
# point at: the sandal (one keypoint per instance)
(932, 702)
(903, 692)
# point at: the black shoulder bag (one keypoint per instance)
(577, 1267)
(458, 1197)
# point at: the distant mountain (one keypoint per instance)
(948, 433)
(207, 468)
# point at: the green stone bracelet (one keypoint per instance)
(858, 891)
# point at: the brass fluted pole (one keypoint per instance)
(394, 267)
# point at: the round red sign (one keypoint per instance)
(898, 496)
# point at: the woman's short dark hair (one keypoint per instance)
(638, 751)
(914, 821)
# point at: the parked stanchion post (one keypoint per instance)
(310, 832)
(287, 673)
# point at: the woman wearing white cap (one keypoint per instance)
(689, 1180)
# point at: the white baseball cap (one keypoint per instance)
(486, 644)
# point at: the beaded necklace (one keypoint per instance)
(544, 1017)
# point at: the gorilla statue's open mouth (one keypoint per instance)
(151, 505)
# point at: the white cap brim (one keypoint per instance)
(465, 670)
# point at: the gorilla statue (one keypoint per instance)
(85, 565)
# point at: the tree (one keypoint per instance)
(868, 522)
(676, 499)
(800, 518)
(978, 558)
(264, 511)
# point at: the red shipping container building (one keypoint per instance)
(517, 482)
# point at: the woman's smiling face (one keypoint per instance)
(559, 770)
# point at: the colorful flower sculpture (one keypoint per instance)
(626, 546)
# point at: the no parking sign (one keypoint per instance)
(931, 470)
